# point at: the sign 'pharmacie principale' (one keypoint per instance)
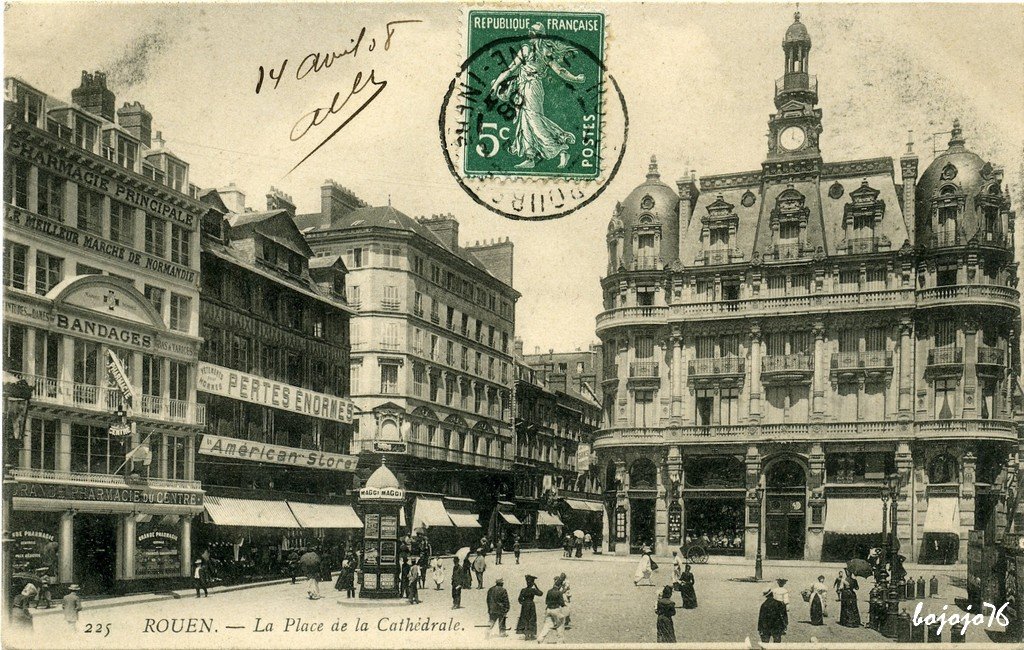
(264, 453)
(219, 380)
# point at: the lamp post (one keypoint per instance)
(887, 575)
(17, 397)
(760, 526)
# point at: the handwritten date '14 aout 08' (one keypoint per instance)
(316, 62)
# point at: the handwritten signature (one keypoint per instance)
(317, 62)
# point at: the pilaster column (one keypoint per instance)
(820, 369)
(753, 514)
(677, 375)
(968, 477)
(128, 547)
(185, 552)
(66, 545)
(971, 370)
(755, 371)
(906, 369)
(905, 519)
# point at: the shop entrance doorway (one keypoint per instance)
(786, 511)
(95, 552)
(641, 524)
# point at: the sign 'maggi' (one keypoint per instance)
(263, 453)
(266, 392)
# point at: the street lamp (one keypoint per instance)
(17, 396)
(760, 526)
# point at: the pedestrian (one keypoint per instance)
(643, 571)
(567, 597)
(346, 579)
(44, 601)
(403, 581)
(516, 549)
(199, 578)
(457, 582)
(677, 569)
(553, 619)
(837, 585)
(21, 618)
(414, 581)
(588, 541)
(579, 546)
(72, 604)
(849, 613)
(781, 594)
(666, 609)
(310, 563)
(479, 566)
(424, 562)
(497, 607)
(293, 564)
(437, 573)
(498, 550)
(527, 624)
(817, 600)
(771, 618)
(687, 593)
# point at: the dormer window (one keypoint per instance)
(720, 238)
(789, 231)
(176, 175)
(30, 105)
(127, 153)
(294, 264)
(86, 133)
(61, 131)
(646, 246)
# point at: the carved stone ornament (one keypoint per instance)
(836, 190)
(748, 199)
(647, 202)
(949, 172)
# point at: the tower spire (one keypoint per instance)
(956, 138)
(652, 169)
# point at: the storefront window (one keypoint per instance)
(157, 547)
(44, 444)
(715, 524)
(35, 542)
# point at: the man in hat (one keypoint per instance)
(771, 619)
(497, 607)
(72, 604)
(781, 594)
(554, 601)
(199, 578)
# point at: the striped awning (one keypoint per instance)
(943, 515)
(252, 513)
(545, 518)
(510, 518)
(464, 519)
(430, 513)
(319, 515)
(586, 506)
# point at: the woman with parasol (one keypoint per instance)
(849, 614)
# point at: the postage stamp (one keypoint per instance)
(541, 114)
(534, 124)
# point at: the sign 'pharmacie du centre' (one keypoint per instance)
(235, 384)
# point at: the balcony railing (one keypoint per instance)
(106, 399)
(82, 478)
(946, 238)
(646, 262)
(959, 292)
(721, 256)
(390, 305)
(787, 363)
(643, 369)
(792, 251)
(796, 81)
(610, 372)
(717, 366)
(991, 356)
(861, 245)
(422, 450)
(867, 360)
(946, 356)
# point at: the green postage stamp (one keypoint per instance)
(540, 76)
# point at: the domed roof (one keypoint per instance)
(651, 204)
(797, 32)
(383, 478)
(955, 171)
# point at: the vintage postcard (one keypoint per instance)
(497, 324)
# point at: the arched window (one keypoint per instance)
(942, 469)
(784, 474)
(643, 474)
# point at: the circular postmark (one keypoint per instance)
(534, 126)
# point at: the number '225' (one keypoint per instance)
(98, 628)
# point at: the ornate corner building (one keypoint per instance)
(780, 344)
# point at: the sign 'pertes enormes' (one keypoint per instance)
(219, 380)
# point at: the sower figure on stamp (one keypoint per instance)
(537, 137)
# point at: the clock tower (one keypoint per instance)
(794, 128)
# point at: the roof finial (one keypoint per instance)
(957, 134)
(652, 170)
(910, 141)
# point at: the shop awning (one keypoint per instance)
(510, 518)
(586, 506)
(430, 513)
(545, 518)
(464, 519)
(943, 515)
(852, 516)
(318, 515)
(223, 511)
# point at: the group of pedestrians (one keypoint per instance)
(684, 582)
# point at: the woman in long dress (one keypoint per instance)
(849, 613)
(686, 591)
(818, 607)
(643, 571)
(536, 136)
(436, 573)
(527, 624)
(666, 609)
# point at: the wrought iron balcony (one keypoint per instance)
(868, 362)
(794, 81)
(719, 366)
(780, 367)
(646, 262)
(643, 370)
(862, 245)
(945, 361)
(991, 356)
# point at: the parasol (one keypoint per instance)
(859, 567)
(578, 534)
(462, 553)
(309, 560)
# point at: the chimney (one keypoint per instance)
(688, 194)
(556, 381)
(336, 201)
(497, 256)
(233, 198)
(92, 95)
(136, 120)
(278, 200)
(445, 227)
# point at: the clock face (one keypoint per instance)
(791, 138)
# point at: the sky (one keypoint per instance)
(698, 81)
